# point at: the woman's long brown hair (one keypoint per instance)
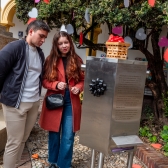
(73, 68)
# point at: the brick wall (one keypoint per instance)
(151, 157)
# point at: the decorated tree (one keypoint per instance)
(138, 14)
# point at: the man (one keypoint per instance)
(21, 64)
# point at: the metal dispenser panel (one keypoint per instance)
(117, 112)
(127, 102)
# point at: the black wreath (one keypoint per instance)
(97, 87)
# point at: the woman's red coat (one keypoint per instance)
(50, 119)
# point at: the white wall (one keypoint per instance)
(102, 38)
(19, 26)
(3, 3)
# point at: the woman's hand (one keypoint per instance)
(75, 90)
(61, 85)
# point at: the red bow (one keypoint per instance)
(115, 39)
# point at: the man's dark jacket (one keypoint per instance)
(13, 60)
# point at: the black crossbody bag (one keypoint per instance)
(54, 101)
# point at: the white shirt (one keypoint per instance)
(31, 88)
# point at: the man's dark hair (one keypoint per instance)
(37, 25)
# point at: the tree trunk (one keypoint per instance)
(157, 84)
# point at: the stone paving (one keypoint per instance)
(37, 144)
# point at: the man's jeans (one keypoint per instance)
(60, 144)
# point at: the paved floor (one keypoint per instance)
(37, 144)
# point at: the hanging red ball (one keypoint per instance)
(47, 1)
(151, 3)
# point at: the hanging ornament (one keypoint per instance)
(136, 166)
(70, 29)
(126, 3)
(63, 28)
(166, 55)
(31, 20)
(127, 39)
(140, 34)
(37, 1)
(35, 156)
(151, 3)
(117, 30)
(47, 1)
(81, 38)
(163, 42)
(156, 145)
(97, 87)
(87, 15)
(33, 13)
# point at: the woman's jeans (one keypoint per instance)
(61, 143)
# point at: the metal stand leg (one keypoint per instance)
(101, 160)
(130, 159)
(93, 159)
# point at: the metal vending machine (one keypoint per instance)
(112, 104)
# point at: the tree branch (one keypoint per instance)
(90, 28)
(89, 44)
(147, 38)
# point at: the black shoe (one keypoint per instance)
(53, 166)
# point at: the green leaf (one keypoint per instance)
(165, 147)
(166, 153)
(165, 127)
(153, 139)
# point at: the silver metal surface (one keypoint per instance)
(128, 99)
(118, 111)
(130, 159)
(136, 62)
(101, 160)
(83, 67)
(115, 60)
(93, 158)
(126, 141)
(96, 111)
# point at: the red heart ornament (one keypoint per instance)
(151, 3)
(163, 42)
(81, 38)
(166, 55)
(117, 30)
(136, 166)
(156, 146)
(31, 20)
(47, 1)
(37, 1)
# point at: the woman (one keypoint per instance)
(62, 74)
